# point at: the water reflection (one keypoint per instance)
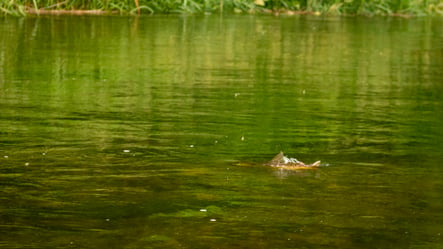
(120, 130)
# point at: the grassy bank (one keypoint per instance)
(318, 7)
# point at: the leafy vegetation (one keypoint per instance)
(331, 7)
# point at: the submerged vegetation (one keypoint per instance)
(317, 7)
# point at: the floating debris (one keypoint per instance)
(191, 146)
(212, 220)
(26, 164)
(203, 210)
(126, 151)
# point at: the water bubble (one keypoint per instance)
(6, 156)
(191, 146)
(126, 151)
(203, 210)
(212, 220)
(26, 164)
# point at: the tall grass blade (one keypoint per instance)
(336, 7)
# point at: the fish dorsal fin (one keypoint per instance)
(316, 164)
(278, 159)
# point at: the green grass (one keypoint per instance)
(326, 7)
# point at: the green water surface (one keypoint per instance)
(151, 132)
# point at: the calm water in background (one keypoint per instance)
(122, 132)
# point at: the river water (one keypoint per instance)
(152, 132)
